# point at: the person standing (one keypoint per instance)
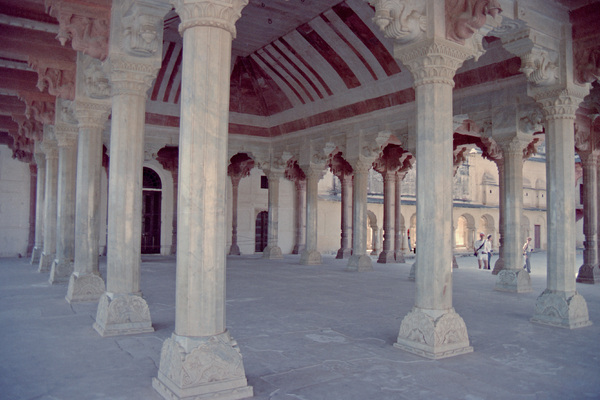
(480, 251)
(489, 249)
(527, 249)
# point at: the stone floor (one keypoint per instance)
(306, 332)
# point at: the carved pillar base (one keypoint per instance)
(499, 266)
(386, 257)
(433, 334)
(561, 309)
(360, 263)
(61, 271)
(272, 253)
(343, 253)
(510, 280)
(298, 249)
(399, 256)
(36, 253)
(122, 314)
(234, 250)
(589, 274)
(85, 288)
(310, 258)
(411, 275)
(201, 368)
(46, 261)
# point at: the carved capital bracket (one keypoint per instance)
(86, 26)
(339, 166)
(59, 80)
(433, 61)
(140, 27)
(29, 128)
(293, 172)
(38, 106)
(211, 13)
(92, 114)
(404, 21)
(92, 78)
(168, 157)
(129, 77)
(561, 102)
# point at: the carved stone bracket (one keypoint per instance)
(142, 28)
(293, 172)
(87, 27)
(60, 82)
(94, 82)
(404, 21)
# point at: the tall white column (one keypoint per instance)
(50, 199)
(442, 332)
(389, 209)
(310, 255)
(272, 251)
(62, 267)
(85, 283)
(134, 59)
(360, 261)
(235, 184)
(560, 304)
(589, 271)
(40, 160)
(399, 229)
(345, 250)
(300, 231)
(499, 265)
(513, 278)
(200, 360)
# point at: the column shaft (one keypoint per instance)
(513, 277)
(499, 265)
(62, 267)
(272, 251)
(588, 272)
(360, 261)
(345, 250)
(389, 208)
(40, 160)
(50, 204)
(398, 228)
(310, 255)
(300, 233)
(235, 183)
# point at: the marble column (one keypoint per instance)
(499, 265)
(40, 160)
(200, 359)
(360, 261)
(86, 284)
(122, 309)
(50, 199)
(589, 271)
(389, 208)
(272, 251)
(398, 228)
(345, 250)
(560, 304)
(168, 157)
(433, 63)
(512, 277)
(32, 207)
(62, 267)
(300, 224)
(310, 255)
(234, 249)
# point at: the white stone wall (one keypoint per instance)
(14, 205)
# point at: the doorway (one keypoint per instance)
(537, 237)
(261, 231)
(151, 204)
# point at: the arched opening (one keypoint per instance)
(261, 231)
(151, 218)
(372, 233)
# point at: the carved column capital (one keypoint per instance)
(361, 165)
(433, 61)
(129, 77)
(50, 148)
(92, 114)
(562, 102)
(218, 14)
(313, 171)
(92, 80)
(66, 135)
(141, 27)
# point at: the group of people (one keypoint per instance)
(483, 252)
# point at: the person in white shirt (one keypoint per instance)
(480, 251)
(527, 249)
(488, 248)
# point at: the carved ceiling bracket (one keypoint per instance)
(60, 82)
(86, 26)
